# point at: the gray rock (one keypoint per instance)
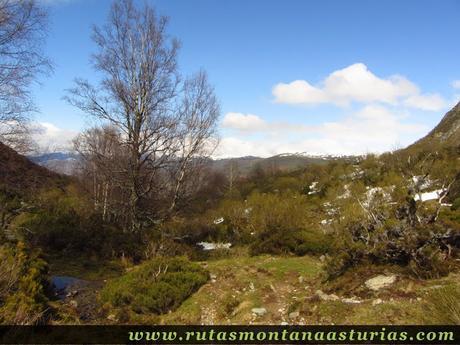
(380, 282)
(294, 315)
(259, 311)
(377, 302)
(112, 317)
(325, 297)
(352, 300)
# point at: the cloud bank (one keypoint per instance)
(373, 128)
(357, 84)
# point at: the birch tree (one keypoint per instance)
(165, 124)
(22, 34)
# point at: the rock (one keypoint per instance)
(251, 286)
(322, 258)
(294, 315)
(259, 311)
(325, 297)
(380, 282)
(213, 278)
(73, 303)
(112, 317)
(301, 279)
(352, 300)
(377, 302)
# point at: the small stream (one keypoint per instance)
(65, 285)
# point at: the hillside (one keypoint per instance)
(19, 174)
(447, 132)
(282, 162)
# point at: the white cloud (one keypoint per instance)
(371, 129)
(356, 83)
(429, 102)
(52, 138)
(456, 84)
(243, 122)
(249, 123)
(299, 92)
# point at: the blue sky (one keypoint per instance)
(291, 76)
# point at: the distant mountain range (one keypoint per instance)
(60, 162)
(65, 163)
(282, 162)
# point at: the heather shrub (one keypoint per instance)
(23, 281)
(157, 286)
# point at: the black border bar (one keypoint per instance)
(136, 334)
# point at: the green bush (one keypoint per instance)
(156, 286)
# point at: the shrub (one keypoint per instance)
(298, 242)
(420, 249)
(156, 286)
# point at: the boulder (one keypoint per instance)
(377, 302)
(259, 311)
(352, 300)
(325, 297)
(380, 282)
(294, 315)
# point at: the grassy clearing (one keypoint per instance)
(286, 288)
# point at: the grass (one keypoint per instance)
(443, 305)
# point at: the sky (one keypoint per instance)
(335, 77)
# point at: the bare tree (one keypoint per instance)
(22, 32)
(102, 160)
(232, 173)
(196, 130)
(164, 124)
